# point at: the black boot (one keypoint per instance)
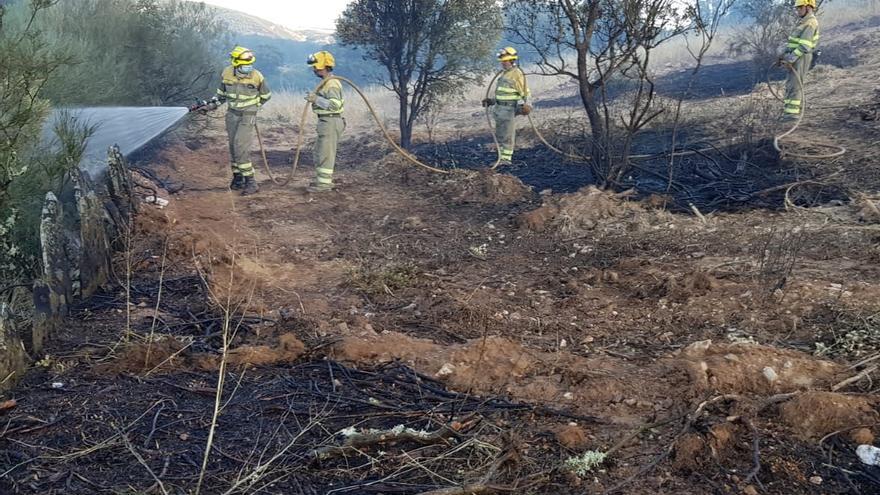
(237, 182)
(250, 186)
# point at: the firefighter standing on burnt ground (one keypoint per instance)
(328, 104)
(802, 43)
(510, 90)
(245, 90)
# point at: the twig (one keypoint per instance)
(108, 442)
(756, 452)
(864, 362)
(668, 451)
(478, 489)
(854, 379)
(260, 471)
(698, 213)
(359, 440)
(776, 399)
(142, 462)
(153, 427)
(158, 302)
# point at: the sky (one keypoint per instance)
(296, 14)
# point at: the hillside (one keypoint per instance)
(282, 52)
(246, 24)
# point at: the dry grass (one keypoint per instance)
(286, 106)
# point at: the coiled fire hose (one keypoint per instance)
(301, 136)
(531, 122)
(558, 151)
(776, 139)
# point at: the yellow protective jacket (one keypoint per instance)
(244, 93)
(805, 37)
(512, 87)
(330, 100)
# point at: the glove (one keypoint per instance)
(524, 109)
(311, 97)
(488, 102)
(790, 58)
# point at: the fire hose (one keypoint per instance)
(776, 139)
(558, 151)
(412, 159)
(779, 137)
(301, 136)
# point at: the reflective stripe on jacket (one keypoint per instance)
(243, 92)
(333, 102)
(512, 86)
(805, 37)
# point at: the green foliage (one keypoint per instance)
(429, 48)
(26, 173)
(45, 172)
(134, 52)
(585, 463)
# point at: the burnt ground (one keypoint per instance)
(712, 178)
(415, 332)
(411, 300)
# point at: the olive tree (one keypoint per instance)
(595, 43)
(428, 48)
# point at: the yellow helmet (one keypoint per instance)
(322, 60)
(508, 54)
(242, 56)
(805, 3)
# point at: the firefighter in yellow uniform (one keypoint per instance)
(510, 90)
(799, 55)
(245, 90)
(327, 103)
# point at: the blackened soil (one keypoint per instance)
(732, 178)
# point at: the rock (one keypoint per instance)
(770, 374)
(816, 480)
(869, 455)
(446, 370)
(750, 490)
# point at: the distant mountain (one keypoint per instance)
(246, 24)
(282, 52)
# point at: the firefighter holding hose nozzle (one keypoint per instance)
(244, 89)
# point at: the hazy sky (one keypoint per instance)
(298, 14)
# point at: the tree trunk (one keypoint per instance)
(405, 124)
(588, 99)
(599, 147)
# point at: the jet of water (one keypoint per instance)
(129, 127)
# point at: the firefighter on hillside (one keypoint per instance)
(328, 104)
(510, 90)
(799, 55)
(245, 90)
